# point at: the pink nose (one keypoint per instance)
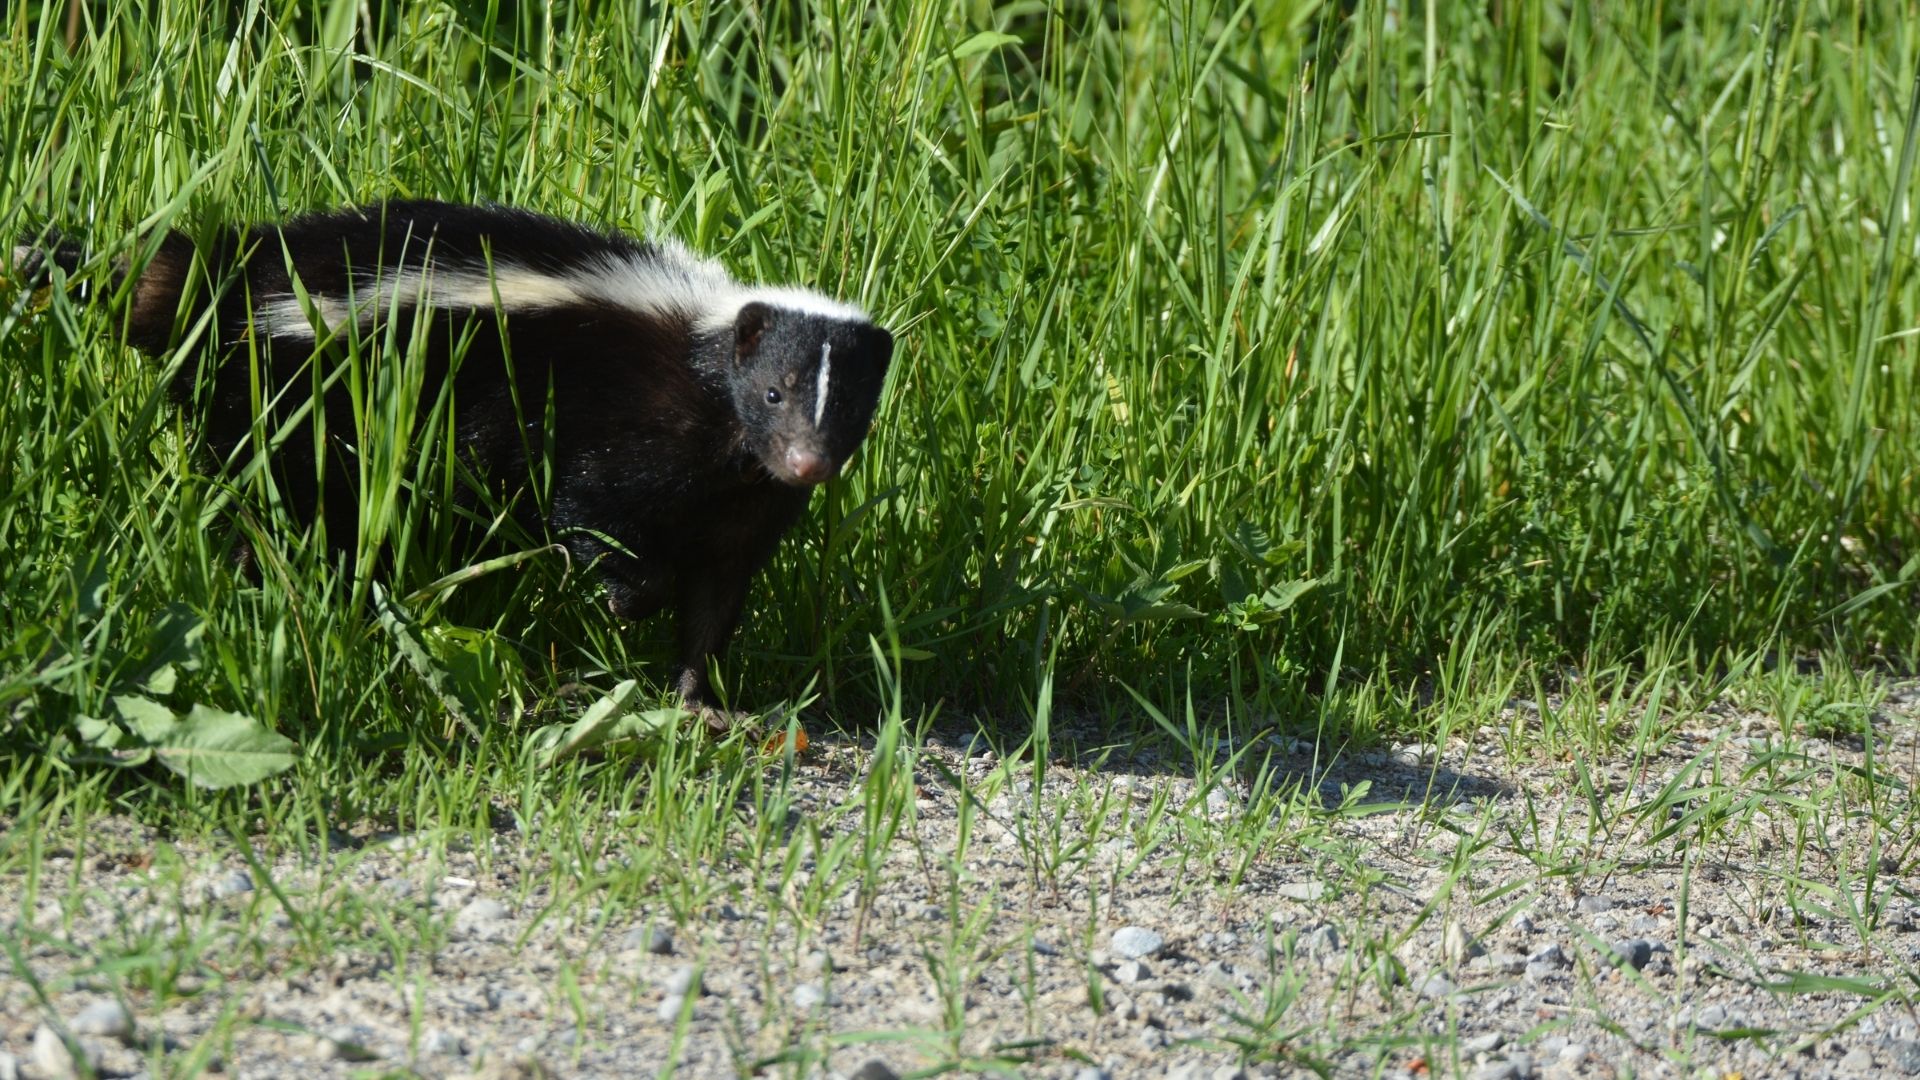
(807, 466)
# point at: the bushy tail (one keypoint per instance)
(151, 303)
(35, 257)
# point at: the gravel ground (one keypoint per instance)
(1463, 922)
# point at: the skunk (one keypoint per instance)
(684, 418)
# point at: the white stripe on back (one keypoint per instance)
(669, 283)
(820, 385)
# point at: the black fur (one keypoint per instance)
(672, 472)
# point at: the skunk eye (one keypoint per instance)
(773, 396)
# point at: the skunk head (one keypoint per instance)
(805, 383)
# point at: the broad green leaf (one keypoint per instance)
(149, 720)
(95, 732)
(214, 748)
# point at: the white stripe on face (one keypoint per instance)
(820, 387)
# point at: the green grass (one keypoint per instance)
(1263, 366)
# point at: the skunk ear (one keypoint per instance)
(748, 327)
(881, 342)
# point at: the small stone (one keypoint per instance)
(232, 884)
(1593, 904)
(9, 1066)
(1523, 924)
(1507, 963)
(482, 918)
(1414, 754)
(1092, 1072)
(1858, 1060)
(1130, 971)
(438, 1042)
(108, 1019)
(680, 980)
(1539, 973)
(874, 1069)
(1433, 985)
(1301, 890)
(1484, 1044)
(1498, 1070)
(1906, 1056)
(1322, 940)
(1710, 1017)
(50, 1057)
(1221, 802)
(808, 996)
(670, 1006)
(1137, 942)
(1457, 945)
(345, 1044)
(651, 938)
(1572, 1054)
(1551, 955)
(1634, 953)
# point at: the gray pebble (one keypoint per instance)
(1092, 1072)
(233, 884)
(1130, 971)
(1457, 945)
(1538, 973)
(482, 918)
(680, 980)
(874, 1069)
(1858, 1060)
(346, 1044)
(1906, 1056)
(1634, 953)
(108, 1019)
(808, 996)
(442, 1043)
(1137, 942)
(1484, 1044)
(50, 1057)
(1710, 1017)
(1592, 904)
(657, 940)
(1551, 955)
(1507, 963)
(9, 1066)
(1414, 754)
(1498, 1070)
(1322, 940)
(1572, 1054)
(670, 1006)
(1433, 985)
(1301, 890)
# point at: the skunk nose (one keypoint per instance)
(807, 466)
